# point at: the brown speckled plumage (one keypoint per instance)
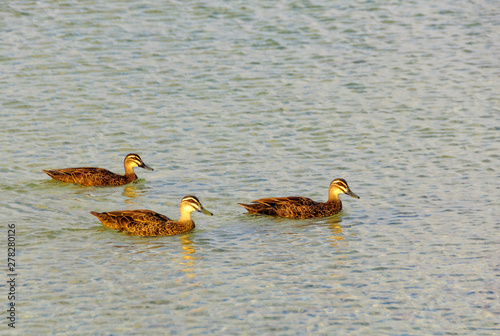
(302, 207)
(91, 176)
(150, 223)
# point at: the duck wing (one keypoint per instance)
(131, 220)
(89, 176)
(290, 207)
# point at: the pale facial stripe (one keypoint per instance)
(193, 202)
(341, 185)
(135, 159)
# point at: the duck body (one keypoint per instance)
(293, 207)
(150, 223)
(143, 223)
(302, 207)
(92, 176)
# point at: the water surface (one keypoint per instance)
(233, 101)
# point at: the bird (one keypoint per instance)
(302, 207)
(150, 223)
(91, 176)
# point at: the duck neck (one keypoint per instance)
(129, 172)
(333, 197)
(185, 217)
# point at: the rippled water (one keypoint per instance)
(237, 100)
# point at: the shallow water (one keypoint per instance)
(233, 101)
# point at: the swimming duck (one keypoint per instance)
(90, 176)
(150, 223)
(302, 207)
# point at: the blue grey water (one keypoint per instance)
(237, 100)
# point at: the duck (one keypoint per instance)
(302, 207)
(150, 223)
(91, 176)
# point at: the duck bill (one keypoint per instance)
(206, 212)
(145, 166)
(350, 193)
